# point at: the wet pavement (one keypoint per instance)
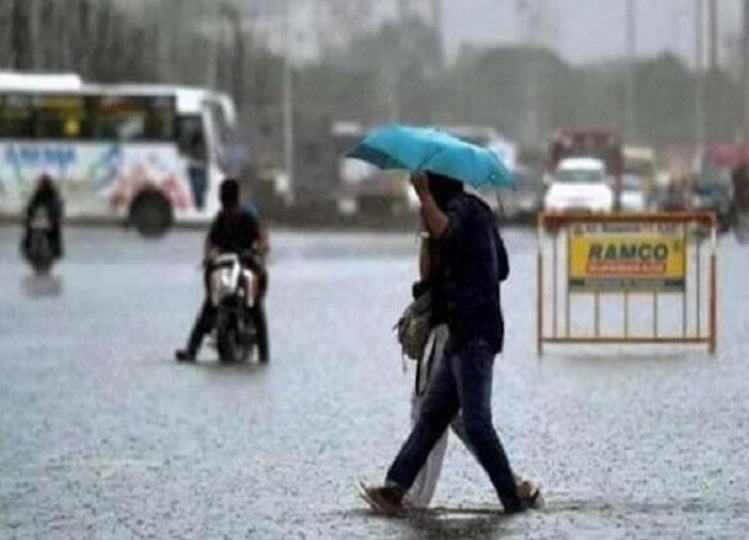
(103, 435)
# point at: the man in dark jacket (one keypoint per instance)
(234, 230)
(474, 262)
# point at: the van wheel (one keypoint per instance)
(151, 214)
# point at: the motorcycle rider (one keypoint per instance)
(234, 230)
(45, 197)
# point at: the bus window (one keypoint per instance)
(192, 144)
(58, 117)
(135, 118)
(16, 117)
(121, 118)
(191, 140)
(162, 117)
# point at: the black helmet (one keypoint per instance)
(229, 193)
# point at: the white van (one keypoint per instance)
(579, 185)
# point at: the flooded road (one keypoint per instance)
(104, 436)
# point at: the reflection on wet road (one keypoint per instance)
(105, 436)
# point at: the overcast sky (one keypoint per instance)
(587, 30)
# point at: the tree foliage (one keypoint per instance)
(390, 71)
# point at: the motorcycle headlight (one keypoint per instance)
(226, 280)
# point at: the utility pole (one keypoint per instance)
(318, 25)
(234, 19)
(393, 66)
(530, 8)
(712, 68)
(745, 71)
(436, 9)
(699, 54)
(630, 110)
(287, 99)
(19, 36)
(713, 34)
(34, 35)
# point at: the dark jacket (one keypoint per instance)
(234, 231)
(45, 196)
(474, 263)
(48, 198)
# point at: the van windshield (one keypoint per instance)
(631, 182)
(579, 176)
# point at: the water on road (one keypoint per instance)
(104, 436)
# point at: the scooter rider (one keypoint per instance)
(233, 230)
(46, 197)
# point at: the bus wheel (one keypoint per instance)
(151, 213)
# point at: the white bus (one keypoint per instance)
(148, 155)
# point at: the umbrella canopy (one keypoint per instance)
(417, 149)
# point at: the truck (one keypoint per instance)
(604, 145)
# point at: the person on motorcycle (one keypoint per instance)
(234, 230)
(45, 198)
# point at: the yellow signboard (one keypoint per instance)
(627, 257)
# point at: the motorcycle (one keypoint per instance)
(37, 248)
(234, 292)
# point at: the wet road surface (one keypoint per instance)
(104, 436)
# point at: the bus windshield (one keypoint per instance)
(632, 182)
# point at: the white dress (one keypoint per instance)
(423, 488)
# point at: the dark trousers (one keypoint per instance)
(203, 325)
(463, 382)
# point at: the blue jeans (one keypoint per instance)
(462, 382)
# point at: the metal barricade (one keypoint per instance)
(645, 273)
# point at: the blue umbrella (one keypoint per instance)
(417, 149)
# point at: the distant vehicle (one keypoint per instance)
(712, 197)
(522, 203)
(638, 179)
(362, 187)
(713, 187)
(579, 185)
(144, 154)
(633, 197)
(601, 144)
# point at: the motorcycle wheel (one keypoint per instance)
(226, 339)
(229, 343)
(261, 328)
(40, 254)
(245, 338)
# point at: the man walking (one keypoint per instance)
(474, 263)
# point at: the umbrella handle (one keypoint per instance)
(500, 206)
